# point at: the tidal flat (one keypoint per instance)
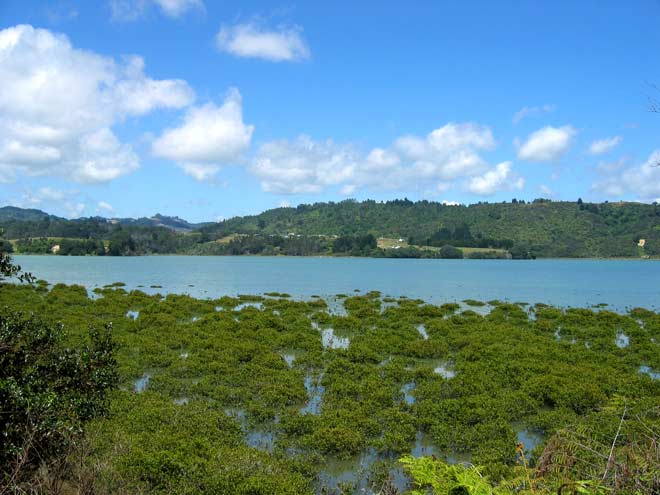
(266, 394)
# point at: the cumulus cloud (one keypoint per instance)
(547, 144)
(132, 10)
(641, 181)
(426, 162)
(209, 136)
(604, 145)
(303, 165)
(58, 105)
(500, 178)
(105, 208)
(525, 112)
(253, 41)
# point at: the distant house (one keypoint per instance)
(641, 243)
(55, 249)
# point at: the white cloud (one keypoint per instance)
(209, 137)
(103, 158)
(303, 165)
(604, 145)
(641, 181)
(284, 204)
(58, 105)
(450, 203)
(137, 94)
(132, 10)
(525, 112)
(547, 144)
(105, 208)
(252, 41)
(411, 162)
(500, 178)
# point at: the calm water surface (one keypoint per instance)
(622, 284)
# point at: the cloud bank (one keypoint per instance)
(432, 162)
(58, 105)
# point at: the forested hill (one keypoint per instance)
(10, 216)
(549, 228)
(518, 229)
(13, 213)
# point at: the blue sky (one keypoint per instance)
(208, 110)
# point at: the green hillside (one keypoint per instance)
(13, 213)
(518, 229)
(563, 229)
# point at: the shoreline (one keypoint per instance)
(591, 258)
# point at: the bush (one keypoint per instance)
(451, 252)
(47, 392)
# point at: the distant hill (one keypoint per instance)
(541, 228)
(8, 213)
(158, 220)
(548, 228)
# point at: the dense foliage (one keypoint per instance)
(267, 395)
(541, 228)
(47, 393)
(614, 450)
(544, 228)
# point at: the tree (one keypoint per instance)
(450, 252)
(47, 393)
(8, 269)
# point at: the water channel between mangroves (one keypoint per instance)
(620, 284)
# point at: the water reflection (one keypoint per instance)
(655, 375)
(407, 391)
(332, 341)
(314, 395)
(445, 371)
(354, 475)
(253, 304)
(622, 340)
(423, 445)
(530, 439)
(261, 440)
(289, 358)
(141, 384)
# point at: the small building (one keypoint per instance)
(55, 249)
(641, 243)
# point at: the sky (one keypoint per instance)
(211, 109)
